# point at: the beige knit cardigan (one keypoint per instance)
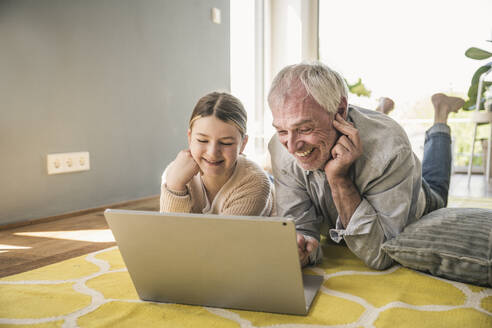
(247, 192)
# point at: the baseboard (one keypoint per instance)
(75, 213)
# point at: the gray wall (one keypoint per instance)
(117, 78)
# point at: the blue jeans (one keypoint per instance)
(436, 166)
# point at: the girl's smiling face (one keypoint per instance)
(215, 146)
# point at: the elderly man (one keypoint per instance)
(348, 172)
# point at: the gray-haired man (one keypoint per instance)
(348, 172)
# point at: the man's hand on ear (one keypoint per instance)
(346, 150)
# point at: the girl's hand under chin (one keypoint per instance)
(181, 171)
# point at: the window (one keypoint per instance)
(247, 69)
(408, 50)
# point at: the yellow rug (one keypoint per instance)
(96, 291)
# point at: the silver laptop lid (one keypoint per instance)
(248, 263)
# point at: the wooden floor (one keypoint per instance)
(36, 245)
(478, 188)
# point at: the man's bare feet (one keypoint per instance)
(443, 105)
(386, 105)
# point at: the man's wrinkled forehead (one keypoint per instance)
(299, 99)
(296, 93)
(298, 111)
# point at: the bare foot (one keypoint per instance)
(443, 105)
(386, 105)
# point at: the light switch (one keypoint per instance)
(216, 15)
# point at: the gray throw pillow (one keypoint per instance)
(454, 243)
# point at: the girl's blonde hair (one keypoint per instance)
(224, 106)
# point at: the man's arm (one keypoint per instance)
(377, 219)
(346, 198)
(388, 201)
(345, 152)
(366, 221)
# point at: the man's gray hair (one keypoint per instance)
(326, 86)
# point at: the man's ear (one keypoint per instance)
(245, 141)
(343, 108)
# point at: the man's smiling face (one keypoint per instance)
(305, 129)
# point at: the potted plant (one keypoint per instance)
(358, 88)
(478, 54)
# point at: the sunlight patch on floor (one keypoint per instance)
(95, 236)
(5, 248)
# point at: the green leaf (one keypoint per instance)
(359, 88)
(469, 105)
(476, 53)
(472, 95)
(480, 71)
(473, 89)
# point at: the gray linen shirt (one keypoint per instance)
(388, 176)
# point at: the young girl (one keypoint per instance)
(212, 176)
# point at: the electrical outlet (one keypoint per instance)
(67, 162)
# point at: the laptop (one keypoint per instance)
(237, 262)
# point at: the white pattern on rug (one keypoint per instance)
(367, 319)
